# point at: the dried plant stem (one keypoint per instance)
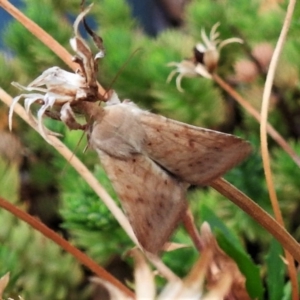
(189, 224)
(164, 271)
(80, 256)
(258, 214)
(264, 143)
(78, 166)
(254, 113)
(44, 37)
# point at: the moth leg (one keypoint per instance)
(68, 117)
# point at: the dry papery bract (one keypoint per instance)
(214, 276)
(4, 280)
(205, 60)
(3, 283)
(59, 89)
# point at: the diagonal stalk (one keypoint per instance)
(259, 215)
(61, 242)
(256, 115)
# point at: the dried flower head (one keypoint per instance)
(59, 88)
(206, 57)
(214, 276)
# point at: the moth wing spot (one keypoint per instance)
(149, 223)
(161, 204)
(140, 200)
(191, 143)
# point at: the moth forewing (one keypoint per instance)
(193, 154)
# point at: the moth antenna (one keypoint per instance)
(121, 70)
(85, 148)
(67, 163)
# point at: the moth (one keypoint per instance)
(152, 160)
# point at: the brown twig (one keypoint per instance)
(57, 239)
(189, 224)
(264, 143)
(254, 113)
(258, 214)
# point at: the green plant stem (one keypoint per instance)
(259, 215)
(80, 256)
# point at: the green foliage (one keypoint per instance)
(33, 56)
(286, 176)
(29, 256)
(275, 269)
(247, 267)
(87, 218)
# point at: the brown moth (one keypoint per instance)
(152, 160)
